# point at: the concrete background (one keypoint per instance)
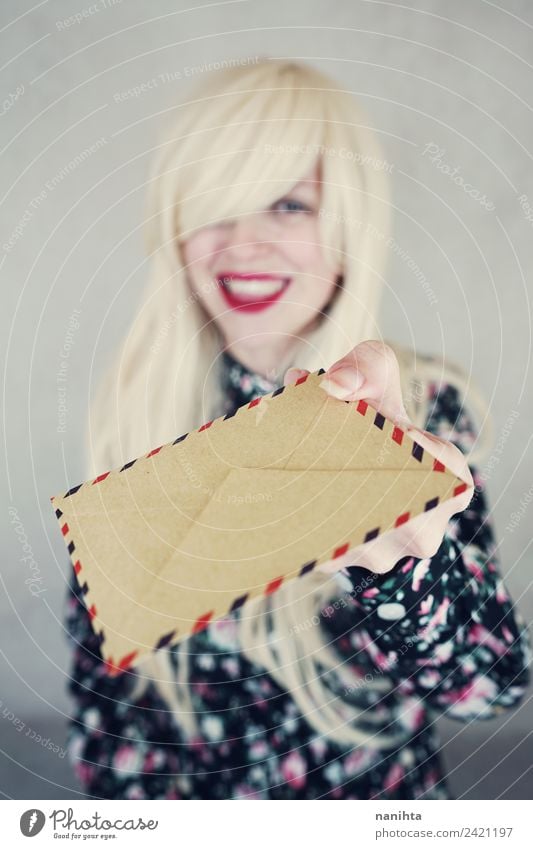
(455, 75)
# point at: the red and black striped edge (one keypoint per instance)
(362, 407)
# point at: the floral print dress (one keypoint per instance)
(442, 633)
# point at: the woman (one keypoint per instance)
(267, 229)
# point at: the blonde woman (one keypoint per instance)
(266, 230)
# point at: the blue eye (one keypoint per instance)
(289, 205)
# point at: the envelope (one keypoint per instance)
(191, 531)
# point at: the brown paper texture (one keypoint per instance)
(191, 531)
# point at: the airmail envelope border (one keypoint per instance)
(392, 434)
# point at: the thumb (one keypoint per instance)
(370, 372)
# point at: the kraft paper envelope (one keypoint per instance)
(192, 530)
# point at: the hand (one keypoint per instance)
(371, 372)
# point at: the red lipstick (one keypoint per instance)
(245, 297)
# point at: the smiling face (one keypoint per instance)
(263, 277)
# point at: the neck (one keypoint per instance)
(271, 362)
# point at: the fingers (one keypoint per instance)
(448, 453)
(383, 553)
(420, 537)
(370, 372)
(378, 556)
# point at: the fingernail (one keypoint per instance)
(347, 377)
(335, 389)
(342, 382)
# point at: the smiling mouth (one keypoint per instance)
(252, 292)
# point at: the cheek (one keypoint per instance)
(197, 255)
(197, 252)
(305, 251)
(320, 292)
(316, 280)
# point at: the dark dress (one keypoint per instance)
(442, 633)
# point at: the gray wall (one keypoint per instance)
(454, 75)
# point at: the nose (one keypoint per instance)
(246, 234)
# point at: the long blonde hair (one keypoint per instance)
(239, 142)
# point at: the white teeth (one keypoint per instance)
(258, 288)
